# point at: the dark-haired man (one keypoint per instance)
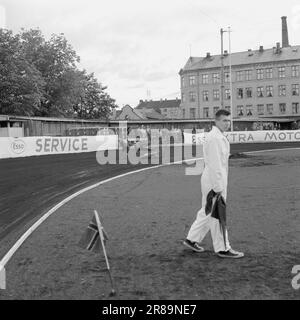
(216, 150)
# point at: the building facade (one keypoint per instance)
(169, 109)
(128, 113)
(265, 83)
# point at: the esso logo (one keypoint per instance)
(18, 146)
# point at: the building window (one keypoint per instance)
(260, 109)
(260, 92)
(260, 74)
(240, 111)
(228, 108)
(248, 75)
(281, 72)
(240, 93)
(269, 73)
(192, 80)
(295, 71)
(227, 77)
(192, 113)
(269, 91)
(183, 98)
(183, 82)
(216, 109)
(282, 108)
(205, 112)
(227, 94)
(249, 92)
(192, 96)
(205, 78)
(205, 95)
(216, 94)
(183, 113)
(295, 89)
(239, 75)
(295, 107)
(270, 108)
(282, 90)
(249, 110)
(216, 77)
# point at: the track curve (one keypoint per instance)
(29, 187)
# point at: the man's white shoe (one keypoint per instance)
(232, 254)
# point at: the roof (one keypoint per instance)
(141, 114)
(4, 118)
(158, 104)
(244, 58)
(20, 118)
(152, 114)
(148, 114)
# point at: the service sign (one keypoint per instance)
(37, 146)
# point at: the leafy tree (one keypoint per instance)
(56, 60)
(41, 77)
(95, 102)
(21, 84)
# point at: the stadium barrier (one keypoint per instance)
(38, 146)
(248, 137)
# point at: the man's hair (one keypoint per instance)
(222, 112)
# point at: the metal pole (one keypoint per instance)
(222, 71)
(113, 291)
(231, 92)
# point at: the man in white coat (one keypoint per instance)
(216, 150)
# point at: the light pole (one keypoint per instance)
(230, 73)
(230, 69)
(222, 70)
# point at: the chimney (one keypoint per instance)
(208, 55)
(285, 36)
(261, 48)
(225, 53)
(278, 47)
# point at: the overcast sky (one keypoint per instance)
(135, 46)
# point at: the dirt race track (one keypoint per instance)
(146, 215)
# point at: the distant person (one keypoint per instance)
(294, 125)
(216, 150)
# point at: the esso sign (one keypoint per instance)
(18, 146)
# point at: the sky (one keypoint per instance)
(136, 48)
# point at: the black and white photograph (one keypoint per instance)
(149, 152)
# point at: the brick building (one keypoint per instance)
(265, 83)
(169, 109)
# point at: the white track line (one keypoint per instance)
(271, 150)
(26, 235)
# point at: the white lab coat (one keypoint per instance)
(216, 151)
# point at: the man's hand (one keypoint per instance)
(218, 193)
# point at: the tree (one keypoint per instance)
(21, 84)
(56, 60)
(40, 77)
(94, 102)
